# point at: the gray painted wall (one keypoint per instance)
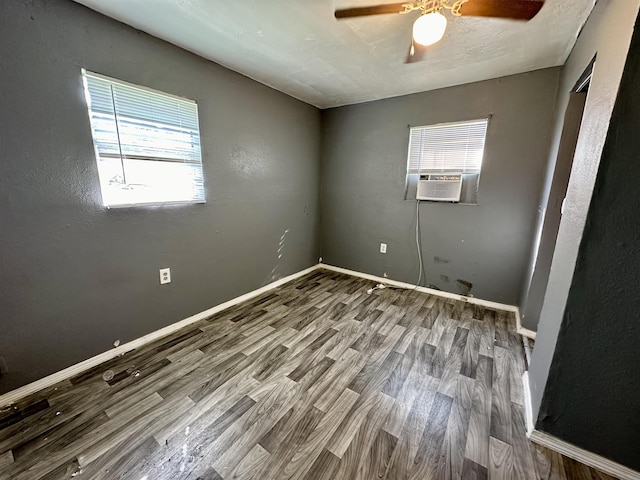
(364, 155)
(607, 33)
(74, 276)
(592, 396)
(551, 213)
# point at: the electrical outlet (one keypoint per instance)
(383, 248)
(165, 276)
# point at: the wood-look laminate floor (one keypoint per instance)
(313, 380)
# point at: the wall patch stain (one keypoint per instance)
(275, 274)
(437, 259)
(464, 286)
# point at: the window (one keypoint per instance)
(447, 156)
(147, 144)
(447, 148)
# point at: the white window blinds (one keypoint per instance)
(147, 143)
(447, 147)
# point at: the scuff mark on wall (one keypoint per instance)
(437, 259)
(464, 286)
(275, 271)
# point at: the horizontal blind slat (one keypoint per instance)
(447, 147)
(154, 137)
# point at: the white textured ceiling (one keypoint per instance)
(298, 47)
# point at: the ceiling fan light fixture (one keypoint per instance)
(429, 28)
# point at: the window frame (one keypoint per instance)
(434, 127)
(199, 198)
(470, 179)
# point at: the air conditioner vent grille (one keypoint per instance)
(440, 188)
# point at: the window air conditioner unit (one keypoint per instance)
(439, 187)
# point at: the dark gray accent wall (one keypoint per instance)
(607, 36)
(363, 183)
(74, 276)
(592, 395)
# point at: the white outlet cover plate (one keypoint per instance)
(165, 276)
(383, 248)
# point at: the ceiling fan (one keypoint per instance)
(430, 26)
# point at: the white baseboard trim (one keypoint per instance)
(15, 395)
(440, 293)
(567, 449)
(584, 456)
(525, 332)
(588, 458)
(528, 410)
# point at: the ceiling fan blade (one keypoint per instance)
(514, 9)
(372, 10)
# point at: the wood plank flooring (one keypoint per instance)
(313, 380)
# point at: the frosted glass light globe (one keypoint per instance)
(429, 29)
